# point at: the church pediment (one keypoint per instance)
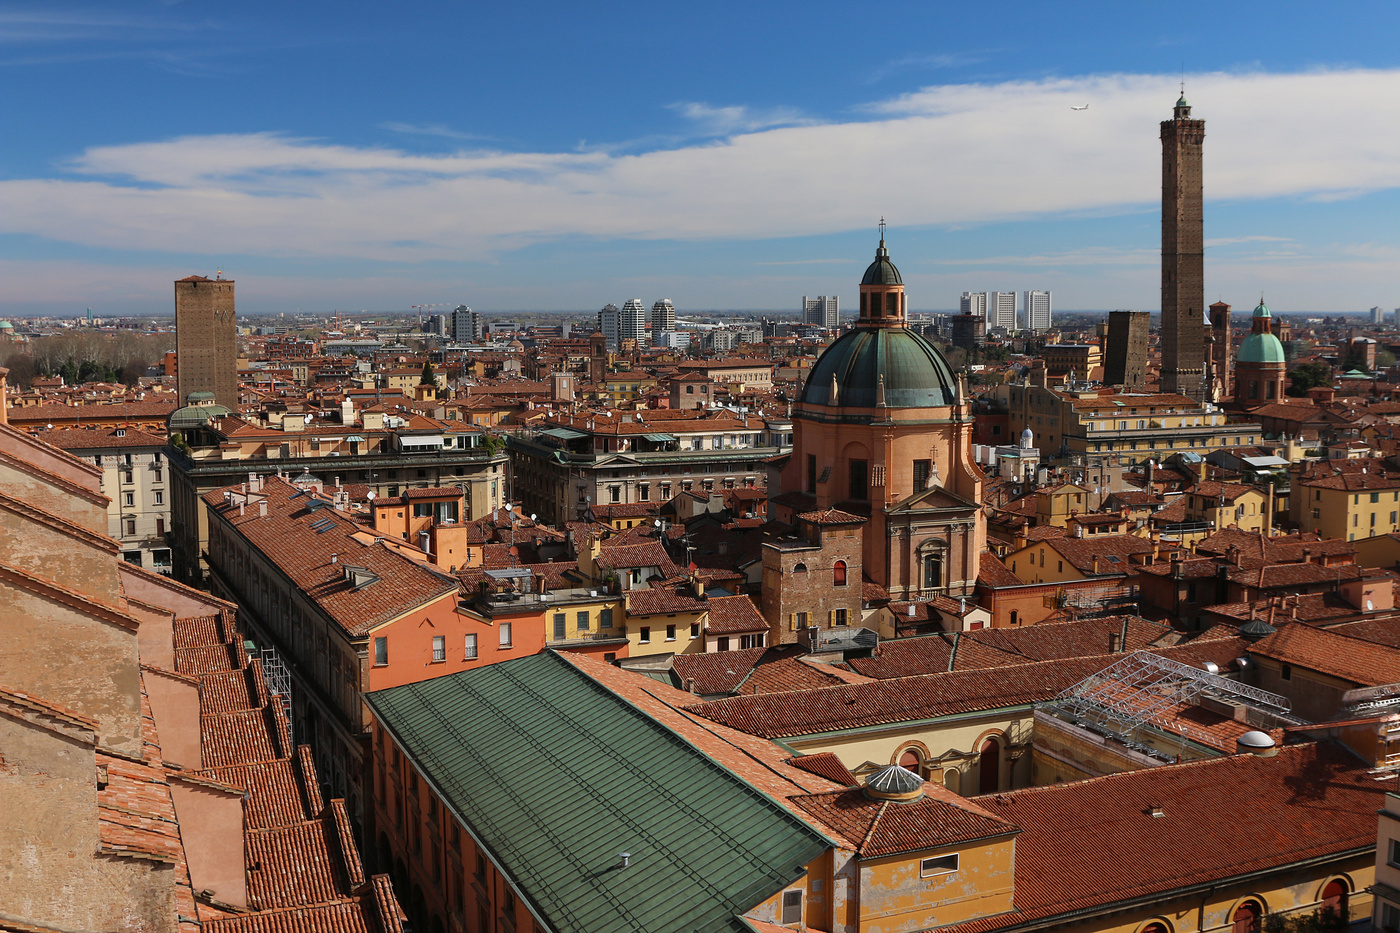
(935, 498)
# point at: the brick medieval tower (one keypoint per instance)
(206, 339)
(1183, 254)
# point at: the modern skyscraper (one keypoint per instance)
(206, 339)
(1001, 310)
(610, 326)
(973, 303)
(1036, 308)
(663, 321)
(1125, 364)
(633, 323)
(466, 325)
(822, 311)
(1183, 254)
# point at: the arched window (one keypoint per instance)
(1154, 928)
(989, 764)
(1014, 619)
(799, 568)
(910, 761)
(838, 573)
(1334, 903)
(1246, 918)
(952, 779)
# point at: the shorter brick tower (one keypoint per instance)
(206, 339)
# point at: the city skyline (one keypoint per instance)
(387, 173)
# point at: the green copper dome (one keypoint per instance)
(882, 271)
(1262, 310)
(1261, 348)
(1181, 101)
(915, 373)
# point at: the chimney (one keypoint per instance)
(1113, 645)
(262, 508)
(910, 612)
(690, 685)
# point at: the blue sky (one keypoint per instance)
(725, 155)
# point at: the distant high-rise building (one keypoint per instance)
(1125, 364)
(610, 326)
(466, 325)
(633, 322)
(1183, 254)
(206, 339)
(822, 311)
(663, 321)
(1001, 310)
(973, 303)
(969, 330)
(1377, 315)
(1036, 307)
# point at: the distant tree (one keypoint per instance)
(1308, 376)
(427, 378)
(1384, 359)
(1323, 920)
(21, 367)
(132, 372)
(1355, 359)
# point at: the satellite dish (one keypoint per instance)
(514, 551)
(532, 516)
(657, 523)
(510, 507)
(370, 495)
(307, 418)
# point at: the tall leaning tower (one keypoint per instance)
(206, 339)
(1183, 254)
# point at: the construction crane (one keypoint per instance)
(421, 309)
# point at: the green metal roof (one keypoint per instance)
(563, 434)
(555, 775)
(916, 375)
(882, 271)
(1261, 348)
(660, 438)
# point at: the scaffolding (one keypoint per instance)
(1148, 690)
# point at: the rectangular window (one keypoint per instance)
(1375, 497)
(695, 630)
(422, 510)
(1390, 915)
(561, 625)
(811, 472)
(381, 651)
(605, 618)
(129, 499)
(615, 493)
(670, 633)
(859, 480)
(439, 648)
(158, 497)
(792, 907)
(131, 527)
(160, 527)
(938, 865)
(839, 617)
(583, 621)
(505, 634)
(644, 634)
(801, 620)
(1395, 852)
(921, 471)
(644, 492)
(470, 653)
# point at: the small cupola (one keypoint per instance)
(896, 783)
(882, 301)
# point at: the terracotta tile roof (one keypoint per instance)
(1005, 647)
(1353, 481)
(827, 765)
(629, 556)
(832, 517)
(928, 696)
(661, 599)
(1333, 652)
(1090, 844)
(731, 615)
(72, 439)
(313, 546)
(886, 827)
(993, 573)
(1113, 552)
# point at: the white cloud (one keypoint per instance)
(946, 155)
(727, 121)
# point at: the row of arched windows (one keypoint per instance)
(1248, 915)
(838, 572)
